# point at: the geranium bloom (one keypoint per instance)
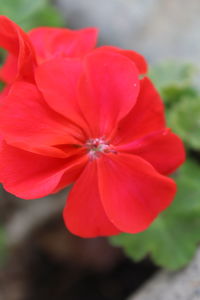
(93, 123)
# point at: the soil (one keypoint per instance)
(55, 265)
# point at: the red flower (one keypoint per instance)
(92, 122)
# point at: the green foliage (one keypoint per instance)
(174, 93)
(31, 13)
(172, 239)
(172, 74)
(1, 85)
(175, 82)
(18, 10)
(185, 121)
(47, 16)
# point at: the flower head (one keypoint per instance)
(92, 122)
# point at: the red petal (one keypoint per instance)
(164, 150)
(51, 42)
(132, 192)
(1, 97)
(31, 125)
(4, 93)
(146, 117)
(9, 35)
(137, 58)
(108, 90)
(84, 214)
(15, 40)
(30, 176)
(58, 80)
(41, 38)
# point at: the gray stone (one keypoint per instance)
(181, 285)
(157, 28)
(32, 215)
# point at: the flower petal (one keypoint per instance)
(58, 80)
(16, 41)
(108, 90)
(84, 214)
(31, 125)
(132, 192)
(146, 117)
(3, 93)
(164, 150)
(50, 42)
(30, 176)
(137, 58)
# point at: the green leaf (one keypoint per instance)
(1, 85)
(31, 13)
(184, 119)
(172, 74)
(172, 239)
(172, 94)
(174, 80)
(18, 10)
(48, 16)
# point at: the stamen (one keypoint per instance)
(97, 146)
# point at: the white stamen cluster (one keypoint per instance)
(97, 146)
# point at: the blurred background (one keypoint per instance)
(39, 258)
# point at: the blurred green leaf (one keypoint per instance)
(172, 94)
(18, 10)
(2, 55)
(184, 119)
(172, 239)
(48, 16)
(172, 74)
(31, 13)
(174, 80)
(1, 85)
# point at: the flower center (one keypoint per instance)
(97, 146)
